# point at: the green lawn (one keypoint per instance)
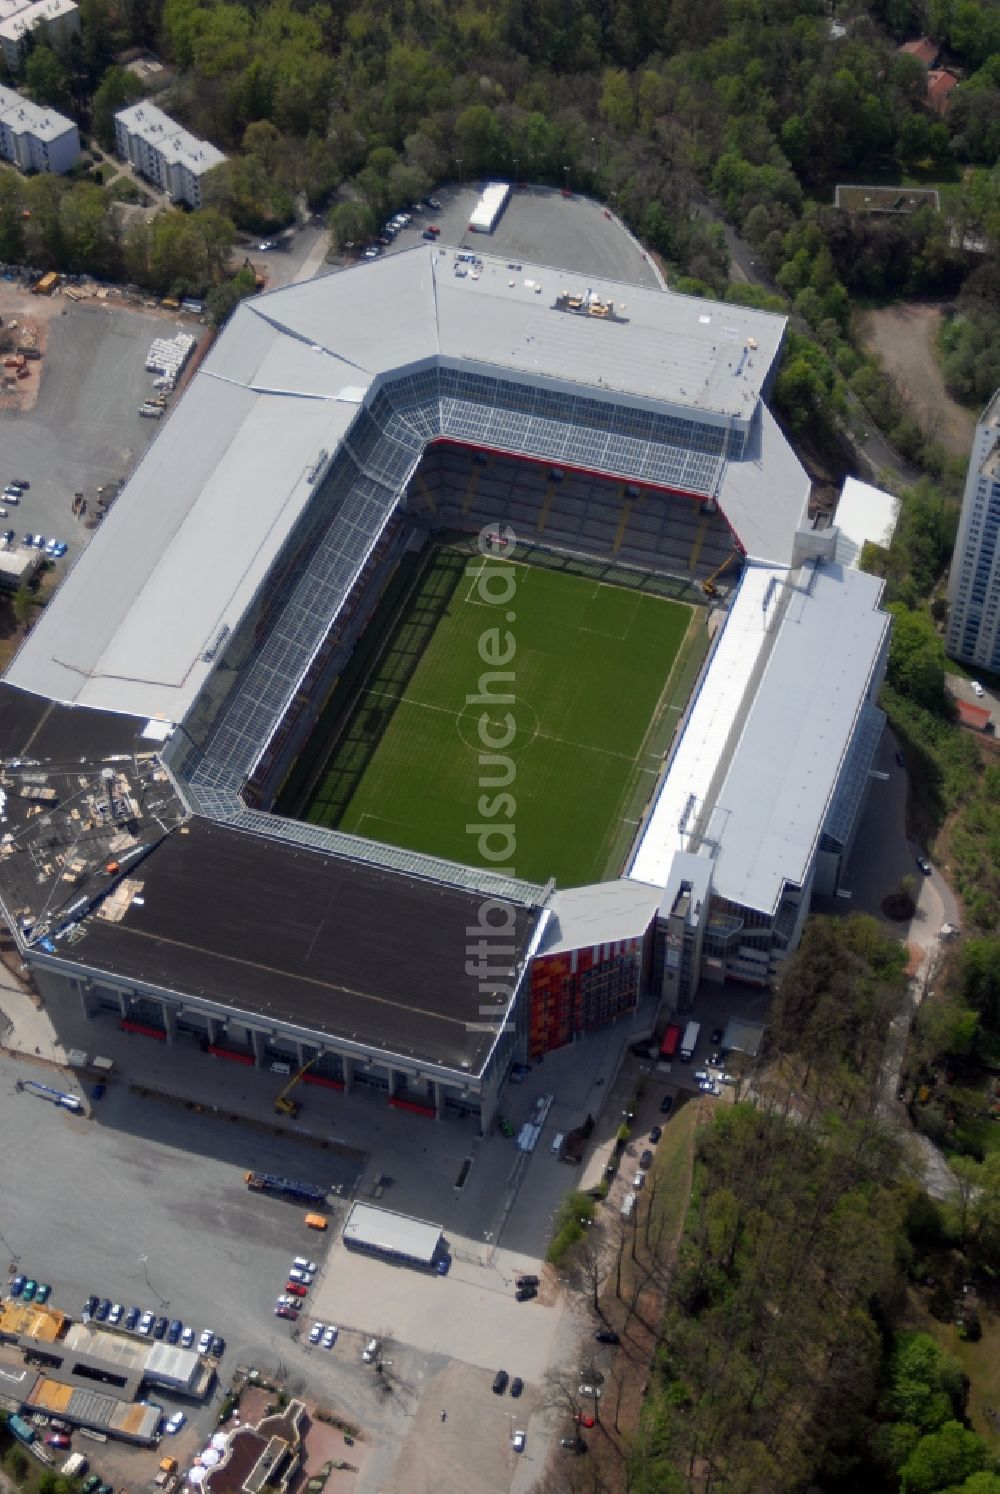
(590, 666)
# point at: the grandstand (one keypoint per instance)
(335, 429)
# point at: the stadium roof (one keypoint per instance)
(210, 507)
(864, 513)
(583, 917)
(316, 943)
(759, 759)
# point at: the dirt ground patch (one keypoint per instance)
(904, 337)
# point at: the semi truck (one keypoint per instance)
(689, 1041)
(267, 1182)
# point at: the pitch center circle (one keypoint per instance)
(485, 736)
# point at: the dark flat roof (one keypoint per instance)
(328, 945)
(31, 726)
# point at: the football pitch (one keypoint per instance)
(510, 729)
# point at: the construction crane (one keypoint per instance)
(708, 586)
(283, 1104)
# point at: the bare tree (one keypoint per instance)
(592, 1267)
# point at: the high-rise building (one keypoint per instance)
(974, 589)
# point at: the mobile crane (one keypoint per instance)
(283, 1104)
(708, 586)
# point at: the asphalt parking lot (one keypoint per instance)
(85, 430)
(541, 227)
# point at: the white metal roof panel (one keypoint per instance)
(182, 552)
(761, 753)
(787, 764)
(383, 1229)
(709, 726)
(864, 513)
(678, 349)
(584, 917)
(766, 495)
(374, 316)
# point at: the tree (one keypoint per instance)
(117, 89)
(942, 1459)
(916, 658)
(24, 602)
(46, 78)
(350, 223)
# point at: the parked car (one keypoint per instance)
(924, 865)
(8, 537)
(594, 1391)
(316, 1332)
(103, 1308)
(132, 1319)
(430, 233)
(639, 1181)
(370, 1351)
(205, 1341)
(433, 203)
(646, 1160)
(576, 1444)
(297, 1274)
(528, 1281)
(516, 1386)
(301, 1264)
(56, 548)
(17, 1287)
(284, 1311)
(160, 1327)
(517, 1442)
(700, 1075)
(116, 1313)
(174, 1331)
(655, 1134)
(218, 1347)
(372, 251)
(329, 1337)
(443, 1265)
(525, 1294)
(666, 1104)
(187, 1338)
(146, 1324)
(12, 499)
(709, 1087)
(500, 1382)
(296, 1289)
(21, 483)
(607, 1336)
(583, 1420)
(57, 1439)
(91, 1483)
(39, 542)
(977, 689)
(174, 1423)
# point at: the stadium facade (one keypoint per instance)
(153, 713)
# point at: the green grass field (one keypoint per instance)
(590, 672)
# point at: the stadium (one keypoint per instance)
(459, 665)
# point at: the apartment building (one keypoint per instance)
(18, 18)
(974, 588)
(34, 137)
(165, 154)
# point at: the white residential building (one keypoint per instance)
(974, 588)
(34, 137)
(18, 18)
(165, 154)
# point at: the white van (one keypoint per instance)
(557, 1142)
(628, 1206)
